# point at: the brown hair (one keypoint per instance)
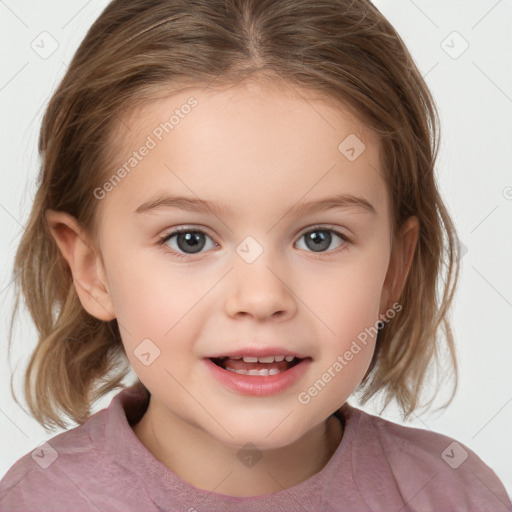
(140, 50)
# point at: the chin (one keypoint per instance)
(265, 434)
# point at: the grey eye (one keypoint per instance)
(187, 241)
(320, 239)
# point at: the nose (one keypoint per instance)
(257, 290)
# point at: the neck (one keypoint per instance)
(227, 470)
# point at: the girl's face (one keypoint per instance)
(276, 257)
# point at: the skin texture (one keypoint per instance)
(259, 150)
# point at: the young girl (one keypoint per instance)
(238, 201)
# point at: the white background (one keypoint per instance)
(474, 96)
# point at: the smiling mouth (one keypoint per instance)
(256, 366)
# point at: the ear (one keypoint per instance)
(85, 263)
(400, 263)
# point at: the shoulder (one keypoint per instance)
(431, 471)
(52, 472)
(90, 467)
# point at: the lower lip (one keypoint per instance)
(255, 385)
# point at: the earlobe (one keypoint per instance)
(400, 263)
(85, 263)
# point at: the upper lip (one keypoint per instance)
(258, 352)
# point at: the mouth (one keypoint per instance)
(258, 371)
(257, 366)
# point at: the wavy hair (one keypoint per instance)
(142, 50)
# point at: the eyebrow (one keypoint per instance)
(202, 206)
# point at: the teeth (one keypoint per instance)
(260, 373)
(266, 359)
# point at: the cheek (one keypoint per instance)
(157, 314)
(346, 300)
(160, 303)
(346, 297)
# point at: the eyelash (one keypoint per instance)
(161, 241)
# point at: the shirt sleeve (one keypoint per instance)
(436, 473)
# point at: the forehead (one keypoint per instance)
(232, 143)
(275, 106)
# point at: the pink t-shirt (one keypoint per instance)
(378, 466)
